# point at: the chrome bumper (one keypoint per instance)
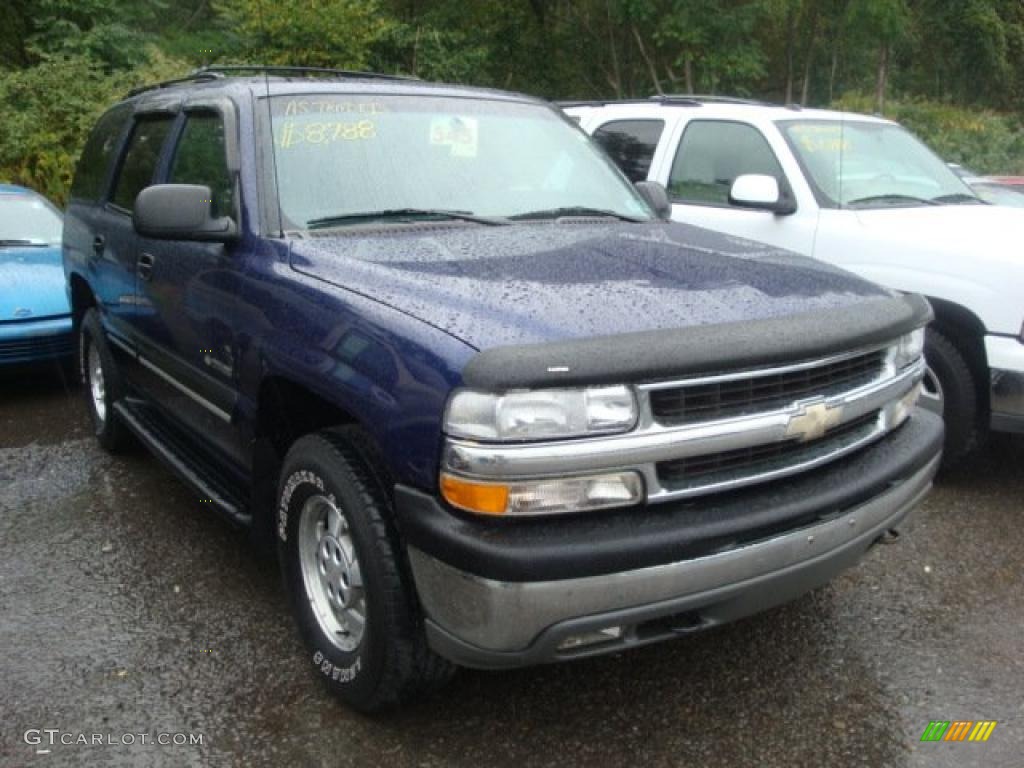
(492, 624)
(1006, 361)
(1007, 401)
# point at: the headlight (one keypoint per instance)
(542, 414)
(909, 348)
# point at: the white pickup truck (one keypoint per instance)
(859, 192)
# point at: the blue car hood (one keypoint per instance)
(32, 283)
(555, 281)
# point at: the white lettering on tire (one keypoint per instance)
(294, 481)
(334, 672)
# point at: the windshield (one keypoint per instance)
(29, 220)
(339, 156)
(871, 165)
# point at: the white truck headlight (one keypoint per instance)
(909, 348)
(540, 414)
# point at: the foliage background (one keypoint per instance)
(951, 70)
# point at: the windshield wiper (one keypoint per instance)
(400, 213)
(958, 197)
(22, 243)
(576, 210)
(891, 199)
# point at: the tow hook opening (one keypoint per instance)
(891, 536)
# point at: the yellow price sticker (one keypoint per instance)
(293, 134)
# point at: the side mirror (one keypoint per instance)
(759, 193)
(655, 196)
(180, 212)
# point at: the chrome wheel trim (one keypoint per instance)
(330, 572)
(97, 386)
(933, 397)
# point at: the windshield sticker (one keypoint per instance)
(294, 133)
(818, 138)
(331, 107)
(460, 134)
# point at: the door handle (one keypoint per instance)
(144, 268)
(98, 244)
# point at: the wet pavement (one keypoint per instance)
(127, 608)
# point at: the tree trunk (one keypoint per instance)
(832, 71)
(616, 76)
(883, 77)
(812, 38)
(652, 69)
(790, 45)
(688, 72)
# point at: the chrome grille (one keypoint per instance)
(753, 393)
(726, 466)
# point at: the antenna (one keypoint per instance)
(270, 127)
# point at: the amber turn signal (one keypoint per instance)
(482, 498)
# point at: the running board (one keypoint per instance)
(212, 486)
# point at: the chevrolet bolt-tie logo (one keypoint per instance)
(814, 421)
(958, 730)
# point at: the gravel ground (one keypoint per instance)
(126, 608)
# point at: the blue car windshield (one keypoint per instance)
(29, 220)
(340, 156)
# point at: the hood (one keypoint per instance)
(32, 283)
(985, 232)
(557, 281)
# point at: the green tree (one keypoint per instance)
(322, 33)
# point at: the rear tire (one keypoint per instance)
(950, 389)
(345, 574)
(103, 384)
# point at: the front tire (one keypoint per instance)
(950, 389)
(345, 575)
(103, 384)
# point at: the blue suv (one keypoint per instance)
(490, 407)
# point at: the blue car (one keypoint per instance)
(35, 317)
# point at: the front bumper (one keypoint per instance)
(485, 610)
(1006, 398)
(36, 340)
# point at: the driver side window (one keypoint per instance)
(712, 154)
(200, 158)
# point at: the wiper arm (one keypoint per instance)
(958, 197)
(891, 198)
(23, 243)
(400, 213)
(579, 210)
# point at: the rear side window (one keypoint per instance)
(94, 164)
(631, 144)
(200, 159)
(140, 159)
(710, 157)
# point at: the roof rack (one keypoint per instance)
(678, 99)
(704, 98)
(220, 71)
(199, 76)
(285, 70)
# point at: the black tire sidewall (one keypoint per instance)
(91, 334)
(959, 391)
(351, 675)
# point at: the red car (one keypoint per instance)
(1011, 181)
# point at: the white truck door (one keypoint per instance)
(709, 154)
